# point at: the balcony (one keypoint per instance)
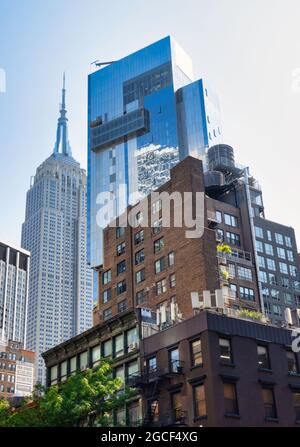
(237, 256)
(173, 418)
(104, 134)
(145, 379)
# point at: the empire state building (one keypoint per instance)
(55, 232)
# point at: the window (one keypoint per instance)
(196, 353)
(296, 400)
(293, 270)
(156, 206)
(132, 368)
(199, 401)
(244, 273)
(230, 399)
(285, 282)
(161, 286)
(83, 360)
(283, 268)
(269, 249)
(159, 265)
(269, 403)
(158, 245)
(140, 276)
(157, 226)
(290, 255)
(275, 294)
(233, 238)
(107, 313)
(272, 279)
(63, 370)
(288, 241)
(230, 220)
(96, 355)
(153, 410)
(140, 296)
(106, 295)
(132, 339)
(119, 372)
(247, 294)
(120, 231)
(171, 258)
(122, 306)
(138, 218)
(139, 257)
(288, 299)
(263, 276)
(53, 374)
(279, 238)
(73, 364)
(292, 362)
(152, 364)
(120, 417)
(225, 350)
(263, 357)
(121, 248)
(281, 253)
(121, 267)
(219, 216)
(139, 237)
(107, 348)
(259, 232)
(106, 277)
(231, 270)
(119, 345)
(172, 281)
(176, 403)
(259, 246)
(271, 264)
(277, 310)
(261, 262)
(134, 414)
(174, 360)
(121, 287)
(219, 235)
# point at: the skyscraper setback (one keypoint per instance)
(145, 114)
(54, 232)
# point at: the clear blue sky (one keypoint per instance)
(247, 50)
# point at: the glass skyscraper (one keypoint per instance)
(145, 113)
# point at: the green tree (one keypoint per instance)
(86, 398)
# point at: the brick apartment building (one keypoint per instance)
(209, 370)
(17, 373)
(154, 267)
(212, 370)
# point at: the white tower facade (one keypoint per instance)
(55, 232)
(14, 280)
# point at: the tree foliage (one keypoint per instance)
(85, 399)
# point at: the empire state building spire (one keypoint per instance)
(62, 144)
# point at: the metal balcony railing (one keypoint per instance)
(139, 380)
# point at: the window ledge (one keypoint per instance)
(200, 418)
(232, 415)
(291, 374)
(267, 370)
(231, 365)
(197, 366)
(271, 419)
